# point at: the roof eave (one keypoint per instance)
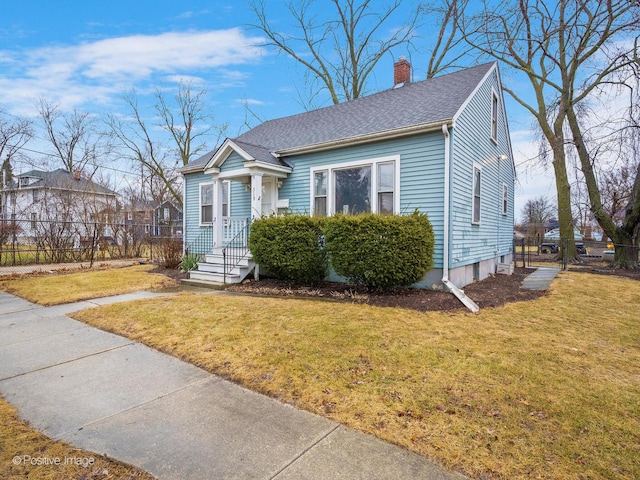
(368, 138)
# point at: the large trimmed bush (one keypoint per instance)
(289, 248)
(380, 251)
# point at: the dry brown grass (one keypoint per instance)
(542, 389)
(19, 440)
(74, 287)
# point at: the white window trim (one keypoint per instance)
(200, 186)
(496, 98)
(313, 192)
(228, 199)
(373, 163)
(505, 199)
(476, 166)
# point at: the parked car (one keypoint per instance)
(552, 247)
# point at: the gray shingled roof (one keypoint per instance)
(419, 103)
(60, 179)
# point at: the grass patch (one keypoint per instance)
(74, 287)
(19, 440)
(542, 389)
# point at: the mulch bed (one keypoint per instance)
(492, 292)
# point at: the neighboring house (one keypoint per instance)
(37, 201)
(440, 146)
(167, 220)
(138, 218)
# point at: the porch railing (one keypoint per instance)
(236, 248)
(234, 231)
(202, 244)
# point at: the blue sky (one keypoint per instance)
(87, 54)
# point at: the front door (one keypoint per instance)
(269, 196)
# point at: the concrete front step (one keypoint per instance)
(203, 283)
(219, 268)
(212, 269)
(218, 258)
(216, 277)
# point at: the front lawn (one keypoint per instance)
(548, 388)
(73, 287)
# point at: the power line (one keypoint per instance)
(88, 163)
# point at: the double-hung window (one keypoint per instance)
(320, 193)
(477, 181)
(225, 199)
(505, 199)
(494, 116)
(386, 187)
(356, 187)
(206, 203)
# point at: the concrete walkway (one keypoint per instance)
(540, 279)
(52, 267)
(113, 396)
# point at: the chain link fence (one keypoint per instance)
(528, 252)
(25, 243)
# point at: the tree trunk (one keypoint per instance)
(563, 192)
(626, 255)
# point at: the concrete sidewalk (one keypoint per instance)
(541, 278)
(113, 396)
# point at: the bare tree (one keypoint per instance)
(188, 121)
(14, 134)
(536, 214)
(77, 143)
(450, 48)
(338, 42)
(185, 119)
(145, 151)
(560, 47)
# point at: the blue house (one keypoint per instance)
(440, 146)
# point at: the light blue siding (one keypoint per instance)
(233, 162)
(192, 183)
(240, 200)
(472, 145)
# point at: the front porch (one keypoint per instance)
(229, 263)
(244, 186)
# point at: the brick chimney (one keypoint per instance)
(401, 71)
(76, 175)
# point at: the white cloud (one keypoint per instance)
(92, 72)
(250, 101)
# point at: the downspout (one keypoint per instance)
(184, 215)
(447, 179)
(458, 293)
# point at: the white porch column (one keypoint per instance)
(256, 195)
(218, 221)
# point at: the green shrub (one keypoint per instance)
(189, 262)
(380, 251)
(289, 248)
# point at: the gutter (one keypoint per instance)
(360, 139)
(458, 293)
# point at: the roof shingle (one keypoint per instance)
(420, 103)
